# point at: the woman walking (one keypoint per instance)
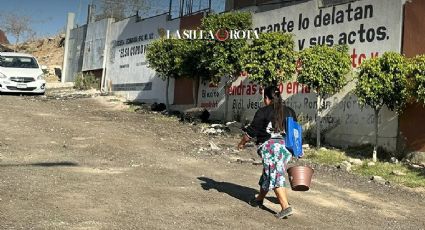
(268, 127)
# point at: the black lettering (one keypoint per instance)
(330, 40)
(326, 19)
(300, 16)
(370, 35)
(318, 19)
(351, 37)
(339, 17)
(368, 11)
(313, 41)
(361, 33)
(269, 28)
(358, 14)
(301, 44)
(276, 27)
(342, 39)
(290, 27)
(349, 10)
(283, 24)
(381, 33)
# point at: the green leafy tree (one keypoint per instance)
(223, 58)
(271, 58)
(417, 79)
(382, 82)
(192, 65)
(324, 70)
(165, 57)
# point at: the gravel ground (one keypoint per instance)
(82, 162)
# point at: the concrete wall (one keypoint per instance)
(75, 53)
(127, 72)
(376, 30)
(411, 120)
(95, 44)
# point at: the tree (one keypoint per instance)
(192, 64)
(417, 78)
(16, 25)
(165, 57)
(121, 9)
(382, 82)
(271, 58)
(324, 70)
(222, 58)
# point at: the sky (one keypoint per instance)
(49, 16)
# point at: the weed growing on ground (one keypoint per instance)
(84, 81)
(328, 157)
(133, 108)
(412, 178)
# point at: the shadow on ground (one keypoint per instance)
(43, 164)
(239, 192)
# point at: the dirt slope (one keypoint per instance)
(48, 51)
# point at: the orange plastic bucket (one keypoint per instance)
(300, 177)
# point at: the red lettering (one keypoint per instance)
(353, 58)
(248, 90)
(254, 89)
(357, 59)
(289, 88)
(281, 87)
(361, 57)
(295, 87)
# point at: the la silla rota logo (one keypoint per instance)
(219, 35)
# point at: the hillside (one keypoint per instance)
(48, 51)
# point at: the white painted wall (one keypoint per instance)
(126, 69)
(345, 122)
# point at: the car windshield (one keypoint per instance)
(18, 62)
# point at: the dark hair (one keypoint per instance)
(273, 93)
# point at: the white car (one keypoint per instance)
(21, 73)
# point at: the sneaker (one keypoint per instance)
(255, 203)
(284, 213)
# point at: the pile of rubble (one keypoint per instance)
(232, 127)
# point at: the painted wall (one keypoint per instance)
(127, 72)
(95, 44)
(369, 27)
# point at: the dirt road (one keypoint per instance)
(88, 164)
